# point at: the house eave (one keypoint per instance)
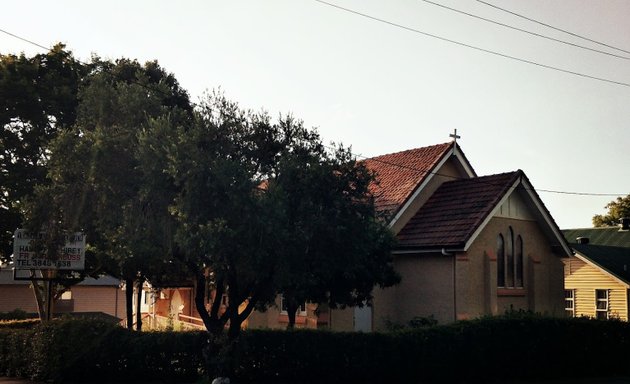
(426, 250)
(541, 213)
(587, 260)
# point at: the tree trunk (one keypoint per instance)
(212, 323)
(129, 302)
(235, 325)
(139, 305)
(49, 299)
(39, 298)
(292, 308)
(216, 353)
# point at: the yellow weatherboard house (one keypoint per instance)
(597, 277)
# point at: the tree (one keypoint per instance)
(264, 208)
(38, 99)
(334, 249)
(617, 209)
(99, 181)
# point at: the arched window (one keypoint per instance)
(500, 261)
(519, 262)
(509, 267)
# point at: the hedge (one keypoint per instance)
(98, 351)
(513, 346)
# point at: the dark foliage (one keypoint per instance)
(515, 346)
(97, 351)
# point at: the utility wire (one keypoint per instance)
(472, 46)
(429, 172)
(551, 26)
(105, 70)
(24, 39)
(375, 159)
(525, 31)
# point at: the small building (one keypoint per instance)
(597, 276)
(102, 295)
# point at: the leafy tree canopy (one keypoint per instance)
(38, 99)
(265, 208)
(617, 209)
(100, 183)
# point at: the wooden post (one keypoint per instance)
(49, 299)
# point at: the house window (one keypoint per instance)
(569, 302)
(67, 295)
(601, 304)
(284, 309)
(500, 261)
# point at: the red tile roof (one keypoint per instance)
(456, 209)
(399, 174)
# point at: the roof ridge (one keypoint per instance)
(410, 150)
(481, 179)
(592, 228)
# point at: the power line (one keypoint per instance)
(551, 26)
(427, 171)
(24, 39)
(525, 31)
(472, 46)
(105, 70)
(354, 154)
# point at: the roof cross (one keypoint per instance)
(455, 136)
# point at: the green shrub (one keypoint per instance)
(16, 314)
(514, 346)
(98, 351)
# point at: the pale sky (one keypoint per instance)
(384, 89)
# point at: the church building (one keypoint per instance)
(468, 246)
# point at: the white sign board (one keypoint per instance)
(71, 257)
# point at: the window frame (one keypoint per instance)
(519, 266)
(500, 261)
(509, 260)
(510, 263)
(605, 300)
(570, 309)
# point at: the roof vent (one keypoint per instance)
(625, 223)
(582, 240)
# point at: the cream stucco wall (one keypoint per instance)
(274, 318)
(477, 292)
(106, 299)
(342, 319)
(19, 296)
(426, 289)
